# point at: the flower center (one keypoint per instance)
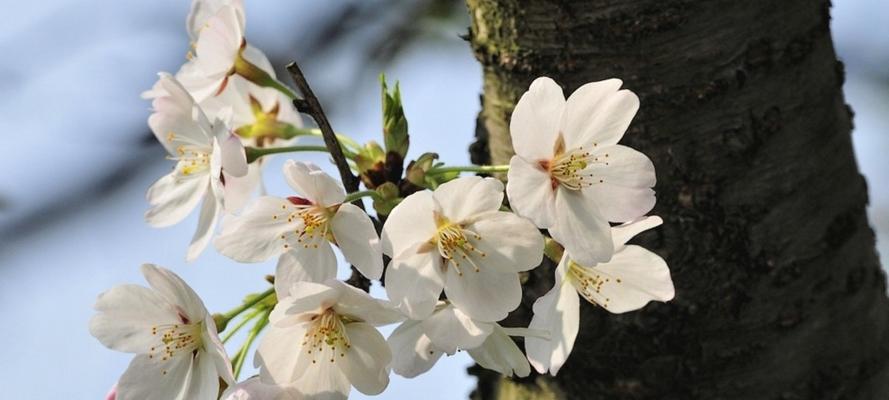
(192, 157)
(589, 283)
(570, 168)
(453, 242)
(326, 337)
(312, 223)
(175, 339)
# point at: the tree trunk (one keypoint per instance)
(780, 294)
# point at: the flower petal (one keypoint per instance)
(210, 210)
(409, 223)
(203, 382)
(412, 351)
(367, 360)
(581, 228)
(126, 314)
(234, 160)
(254, 389)
(313, 183)
(324, 381)
(598, 114)
(414, 281)
(172, 199)
(357, 238)
(360, 306)
(510, 243)
(176, 291)
(149, 379)
(464, 197)
(500, 353)
(637, 276)
(484, 295)
(301, 297)
(216, 351)
(534, 124)
(623, 190)
(558, 312)
(450, 329)
(530, 192)
(311, 265)
(280, 356)
(256, 235)
(622, 234)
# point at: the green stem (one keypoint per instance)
(363, 193)
(226, 317)
(238, 362)
(244, 321)
(277, 85)
(253, 153)
(469, 168)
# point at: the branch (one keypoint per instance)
(312, 106)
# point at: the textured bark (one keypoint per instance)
(780, 294)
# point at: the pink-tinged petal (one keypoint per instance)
(581, 228)
(412, 351)
(312, 183)
(465, 197)
(255, 235)
(414, 281)
(485, 295)
(450, 329)
(510, 243)
(599, 116)
(310, 265)
(172, 198)
(622, 234)
(635, 276)
(531, 192)
(410, 222)
(500, 353)
(355, 235)
(622, 181)
(557, 312)
(367, 360)
(219, 43)
(534, 124)
(210, 211)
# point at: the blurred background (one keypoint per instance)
(80, 156)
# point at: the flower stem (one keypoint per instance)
(238, 362)
(223, 319)
(277, 85)
(244, 321)
(253, 153)
(363, 193)
(553, 250)
(469, 168)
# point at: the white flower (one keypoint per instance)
(206, 155)
(322, 340)
(304, 227)
(219, 42)
(179, 356)
(254, 389)
(569, 175)
(456, 239)
(417, 345)
(633, 277)
(203, 10)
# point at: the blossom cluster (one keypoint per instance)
(456, 251)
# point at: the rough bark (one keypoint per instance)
(780, 294)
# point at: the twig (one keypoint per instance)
(312, 106)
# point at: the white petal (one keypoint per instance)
(126, 314)
(324, 381)
(312, 183)
(201, 10)
(409, 223)
(510, 243)
(149, 379)
(216, 351)
(412, 351)
(210, 210)
(279, 355)
(203, 383)
(486, 295)
(622, 234)
(219, 43)
(295, 298)
(357, 238)
(558, 312)
(499, 353)
(530, 192)
(367, 359)
(534, 124)
(464, 197)
(256, 235)
(581, 228)
(450, 329)
(173, 121)
(234, 161)
(312, 265)
(598, 114)
(622, 187)
(414, 281)
(176, 291)
(172, 199)
(360, 306)
(237, 191)
(636, 276)
(254, 389)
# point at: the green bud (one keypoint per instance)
(371, 160)
(416, 170)
(389, 198)
(395, 135)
